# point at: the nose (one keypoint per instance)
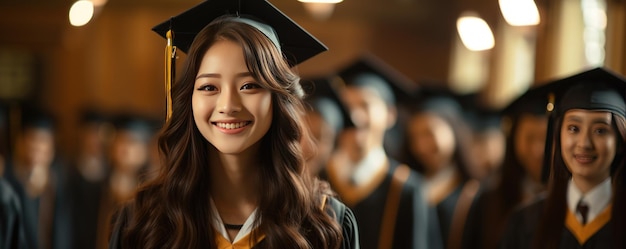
(584, 140)
(229, 102)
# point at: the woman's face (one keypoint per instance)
(370, 115)
(588, 143)
(231, 109)
(530, 140)
(431, 141)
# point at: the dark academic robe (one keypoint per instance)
(51, 209)
(486, 221)
(411, 220)
(445, 212)
(11, 222)
(85, 205)
(596, 234)
(344, 217)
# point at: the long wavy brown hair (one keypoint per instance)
(172, 211)
(549, 230)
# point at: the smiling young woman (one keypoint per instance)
(585, 201)
(234, 172)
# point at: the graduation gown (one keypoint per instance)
(11, 223)
(411, 219)
(85, 204)
(47, 220)
(486, 221)
(596, 234)
(343, 215)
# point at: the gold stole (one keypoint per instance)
(581, 232)
(244, 243)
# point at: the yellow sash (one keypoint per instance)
(584, 232)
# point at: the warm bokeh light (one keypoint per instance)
(475, 33)
(319, 11)
(520, 12)
(81, 13)
(320, 1)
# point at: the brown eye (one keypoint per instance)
(249, 86)
(207, 88)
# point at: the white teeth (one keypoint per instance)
(230, 126)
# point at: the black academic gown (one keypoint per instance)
(523, 224)
(57, 217)
(11, 222)
(411, 226)
(486, 221)
(85, 205)
(343, 214)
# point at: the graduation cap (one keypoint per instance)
(536, 101)
(36, 117)
(296, 44)
(93, 116)
(135, 124)
(370, 71)
(438, 99)
(322, 96)
(595, 89)
(479, 117)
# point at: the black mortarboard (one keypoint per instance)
(368, 71)
(36, 117)
(437, 99)
(93, 116)
(534, 101)
(322, 96)
(595, 89)
(134, 123)
(478, 116)
(295, 42)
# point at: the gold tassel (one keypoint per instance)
(170, 57)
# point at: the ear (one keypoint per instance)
(392, 116)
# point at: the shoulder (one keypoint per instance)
(8, 197)
(345, 217)
(522, 224)
(119, 222)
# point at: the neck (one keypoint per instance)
(234, 184)
(585, 184)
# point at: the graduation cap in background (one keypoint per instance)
(93, 116)
(370, 71)
(36, 117)
(296, 44)
(595, 89)
(322, 96)
(536, 101)
(135, 124)
(438, 99)
(479, 117)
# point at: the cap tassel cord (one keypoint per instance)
(170, 60)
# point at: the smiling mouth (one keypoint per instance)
(232, 126)
(584, 159)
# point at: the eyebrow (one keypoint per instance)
(216, 75)
(595, 121)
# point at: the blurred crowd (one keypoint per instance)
(67, 201)
(417, 163)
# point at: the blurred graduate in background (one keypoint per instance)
(518, 179)
(38, 177)
(88, 175)
(385, 195)
(326, 117)
(437, 146)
